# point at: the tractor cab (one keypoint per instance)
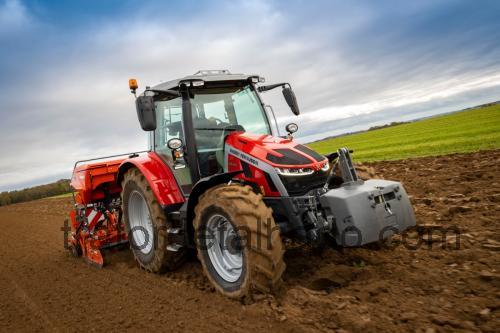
(193, 117)
(216, 112)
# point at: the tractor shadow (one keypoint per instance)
(322, 271)
(327, 270)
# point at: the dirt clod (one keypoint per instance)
(485, 312)
(407, 316)
(459, 209)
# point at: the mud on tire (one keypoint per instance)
(157, 259)
(261, 247)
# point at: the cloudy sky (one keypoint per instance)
(64, 66)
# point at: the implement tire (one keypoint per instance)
(252, 256)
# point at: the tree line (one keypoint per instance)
(33, 193)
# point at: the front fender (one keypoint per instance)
(204, 184)
(158, 175)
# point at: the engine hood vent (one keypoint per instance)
(310, 152)
(288, 157)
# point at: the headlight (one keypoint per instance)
(295, 171)
(325, 167)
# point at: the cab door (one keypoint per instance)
(169, 126)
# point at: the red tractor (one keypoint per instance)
(218, 179)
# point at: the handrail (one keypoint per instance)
(102, 158)
(111, 156)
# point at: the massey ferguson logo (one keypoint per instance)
(243, 157)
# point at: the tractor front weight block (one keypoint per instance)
(364, 212)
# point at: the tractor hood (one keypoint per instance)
(276, 151)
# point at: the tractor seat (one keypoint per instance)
(174, 128)
(205, 138)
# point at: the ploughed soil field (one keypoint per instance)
(443, 276)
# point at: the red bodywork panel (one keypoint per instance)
(158, 175)
(260, 147)
(89, 180)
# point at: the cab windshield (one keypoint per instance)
(218, 108)
(219, 111)
(216, 113)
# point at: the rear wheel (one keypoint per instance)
(146, 225)
(239, 245)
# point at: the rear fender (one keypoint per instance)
(158, 175)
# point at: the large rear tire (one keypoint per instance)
(238, 242)
(146, 225)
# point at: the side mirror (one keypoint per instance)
(292, 128)
(291, 100)
(146, 112)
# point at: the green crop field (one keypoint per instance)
(464, 131)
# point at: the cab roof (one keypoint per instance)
(207, 76)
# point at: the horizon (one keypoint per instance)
(352, 67)
(323, 139)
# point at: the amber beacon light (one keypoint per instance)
(132, 84)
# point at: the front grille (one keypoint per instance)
(300, 185)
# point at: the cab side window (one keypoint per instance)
(169, 119)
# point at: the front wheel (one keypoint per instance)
(239, 244)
